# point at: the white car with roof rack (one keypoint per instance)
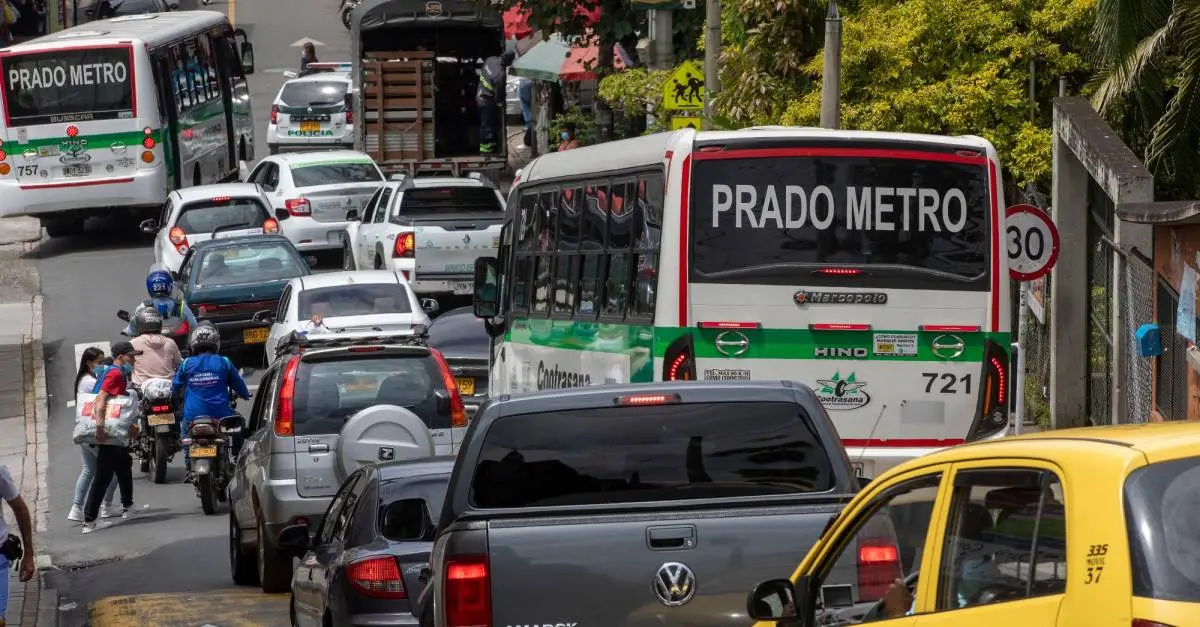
(192, 214)
(312, 111)
(430, 230)
(317, 190)
(350, 304)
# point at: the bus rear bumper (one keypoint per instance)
(143, 188)
(872, 461)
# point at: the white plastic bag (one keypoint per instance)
(117, 423)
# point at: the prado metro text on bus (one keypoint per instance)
(865, 265)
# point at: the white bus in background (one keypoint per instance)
(865, 265)
(114, 114)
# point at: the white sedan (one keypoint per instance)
(378, 301)
(195, 214)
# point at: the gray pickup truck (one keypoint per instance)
(637, 505)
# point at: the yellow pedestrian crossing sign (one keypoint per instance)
(684, 90)
(685, 121)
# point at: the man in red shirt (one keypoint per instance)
(112, 456)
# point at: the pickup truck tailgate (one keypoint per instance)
(451, 246)
(538, 577)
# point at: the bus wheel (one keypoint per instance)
(196, 176)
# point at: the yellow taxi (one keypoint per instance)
(1090, 527)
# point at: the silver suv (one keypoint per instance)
(313, 421)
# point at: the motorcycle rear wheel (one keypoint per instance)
(158, 464)
(208, 493)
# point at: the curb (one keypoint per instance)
(37, 460)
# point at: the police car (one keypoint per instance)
(311, 112)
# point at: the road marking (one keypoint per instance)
(227, 608)
(299, 43)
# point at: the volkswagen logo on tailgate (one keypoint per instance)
(732, 343)
(948, 346)
(674, 584)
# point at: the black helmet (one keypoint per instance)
(205, 338)
(148, 321)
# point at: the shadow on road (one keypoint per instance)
(99, 235)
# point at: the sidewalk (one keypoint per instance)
(19, 230)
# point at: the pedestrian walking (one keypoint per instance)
(85, 381)
(112, 454)
(12, 548)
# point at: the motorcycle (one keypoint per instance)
(175, 328)
(347, 11)
(158, 438)
(213, 445)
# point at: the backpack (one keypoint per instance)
(100, 378)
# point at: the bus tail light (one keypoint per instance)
(298, 207)
(405, 246)
(991, 415)
(730, 325)
(468, 592)
(680, 361)
(878, 567)
(839, 326)
(3, 155)
(148, 143)
(147, 156)
(178, 240)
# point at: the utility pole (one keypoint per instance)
(662, 39)
(831, 81)
(712, 59)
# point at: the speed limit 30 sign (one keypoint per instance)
(1031, 240)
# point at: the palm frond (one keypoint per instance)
(1120, 25)
(1137, 70)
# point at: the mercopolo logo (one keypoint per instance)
(843, 394)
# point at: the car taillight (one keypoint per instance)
(178, 239)
(349, 117)
(377, 577)
(680, 362)
(405, 245)
(284, 418)
(468, 592)
(207, 309)
(274, 114)
(298, 207)
(270, 225)
(991, 414)
(458, 412)
(878, 567)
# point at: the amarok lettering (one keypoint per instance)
(861, 208)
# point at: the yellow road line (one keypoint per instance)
(223, 608)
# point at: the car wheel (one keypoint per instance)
(378, 262)
(241, 567)
(274, 573)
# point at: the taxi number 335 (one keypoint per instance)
(946, 383)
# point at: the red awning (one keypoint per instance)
(580, 62)
(516, 21)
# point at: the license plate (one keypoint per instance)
(463, 288)
(160, 419)
(310, 127)
(77, 170)
(466, 385)
(203, 451)
(255, 336)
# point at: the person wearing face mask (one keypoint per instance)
(90, 363)
(112, 456)
(568, 137)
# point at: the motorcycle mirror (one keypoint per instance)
(123, 315)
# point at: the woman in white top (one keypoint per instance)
(85, 382)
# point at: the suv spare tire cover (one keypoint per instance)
(381, 433)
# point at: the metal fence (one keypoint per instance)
(1138, 288)
(1033, 334)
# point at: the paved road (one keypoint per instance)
(169, 566)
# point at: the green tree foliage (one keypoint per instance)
(636, 90)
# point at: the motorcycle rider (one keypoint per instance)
(159, 286)
(206, 379)
(160, 356)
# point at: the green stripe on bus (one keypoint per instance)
(106, 140)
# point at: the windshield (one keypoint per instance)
(460, 333)
(1161, 510)
(637, 454)
(354, 300)
(330, 392)
(444, 200)
(247, 264)
(905, 223)
(431, 489)
(312, 174)
(310, 93)
(68, 86)
(205, 216)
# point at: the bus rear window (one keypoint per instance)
(655, 453)
(66, 86)
(1161, 510)
(905, 223)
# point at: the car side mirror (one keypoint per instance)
(282, 214)
(487, 287)
(430, 305)
(265, 316)
(352, 216)
(407, 519)
(776, 600)
(149, 226)
(245, 49)
(123, 315)
(294, 538)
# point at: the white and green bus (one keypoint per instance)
(114, 114)
(865, 265)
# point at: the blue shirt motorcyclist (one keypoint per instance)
(206, 379)
(159, 286)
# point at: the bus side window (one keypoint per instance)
(648, 214)
(528, 215)
(179, 80)
(206, 49)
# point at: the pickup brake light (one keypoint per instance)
(468, 594)
(641, 400)
(405, 245)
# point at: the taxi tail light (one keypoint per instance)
(270, 225)
(680, 361)
(274, 114)
(178, 240)
(285, 418)
(991, 414)
(377, 578)
(458, 411)
(878, 567)
(468, 592)
(405, 246)
(298, 207)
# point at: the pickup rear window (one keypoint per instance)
(328, 392)
(203, 217)
(655, 453)
(446, 200)
(1161, 510)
